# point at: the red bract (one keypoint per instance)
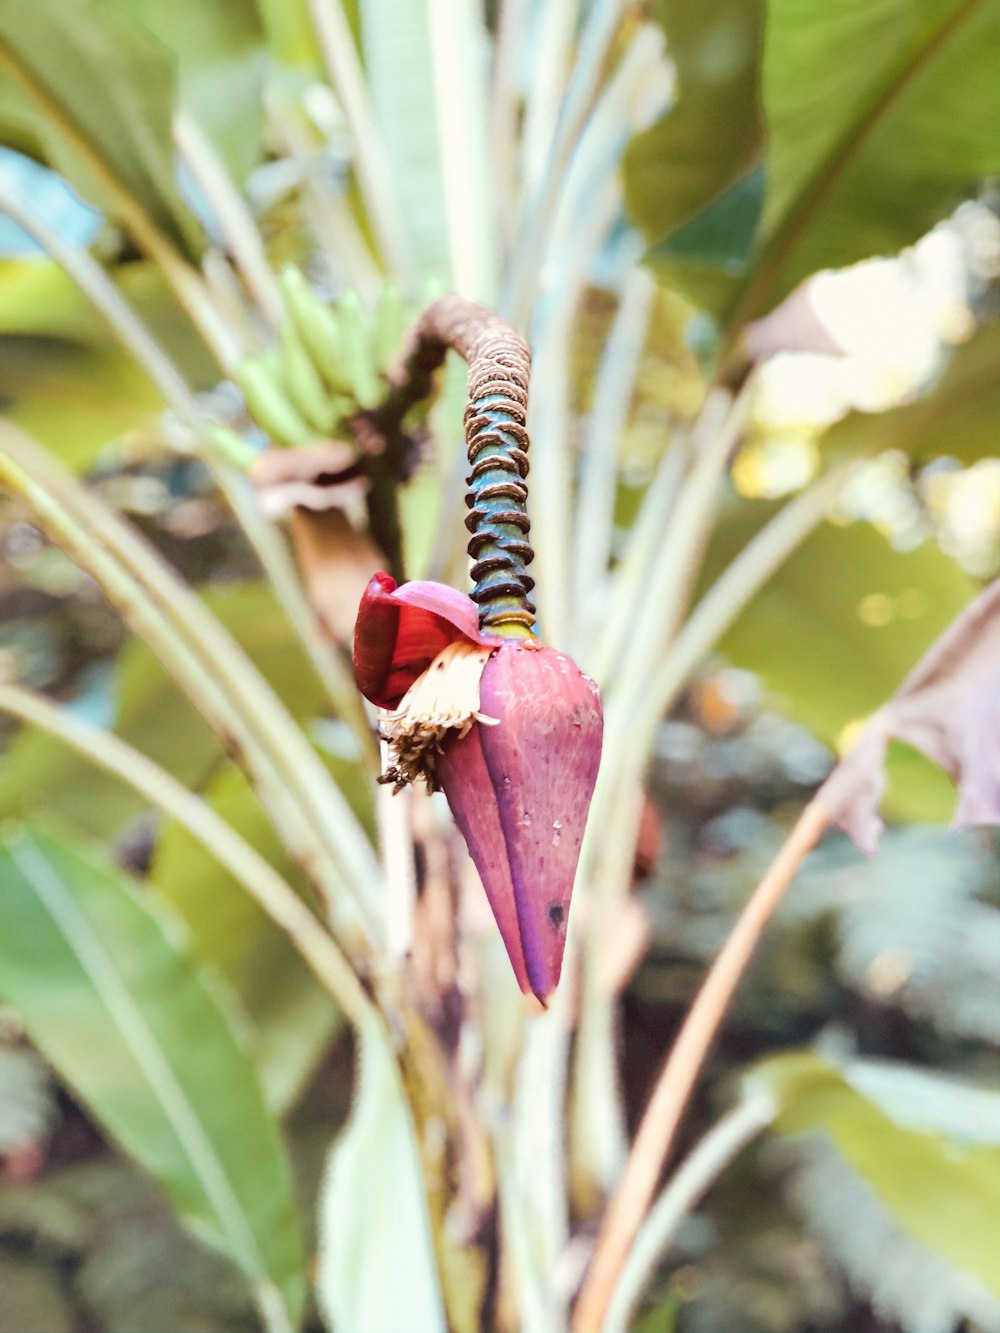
(510, 730)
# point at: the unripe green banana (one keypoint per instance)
(318, 328)
(302, 382)
(359, 362)
(237, 451)
(260, 379)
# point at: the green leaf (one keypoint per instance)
(37, 298)
(96, 92)
(929, 1100)
(399, 63)
(289, 33)
(957, 418)
(155, 717)
(708, 257)
(77, 400)
(713, 133)
(881, 116)
(292, 1017)
(220, 64)
(838, 627)
(810, 632)
(111, 996)
(941, 1192)
(376, 1266)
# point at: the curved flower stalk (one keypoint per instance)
(509, 729)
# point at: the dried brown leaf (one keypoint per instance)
(949, 709)
(337, 562)
(319, 477)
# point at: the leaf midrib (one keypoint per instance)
(99, 967)
(809, 199)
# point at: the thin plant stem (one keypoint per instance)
(675, 558)
(222, 683)
(598, 1141)
(546, 190)
(696, 1174)
(276, 559)
(246, 865)
(503, 104)
(271, 550)
(202, 685)
(550, 412)
(613, 390)
(537, 1135)
(271, 1307)
(100, 291)
(231, 214)
(658, 1129)
(344, 70)
(597, 1125)
(625, 583)
(548, 51)
(533, 1299)
(394, 814)
(458, 36)
(746, 574)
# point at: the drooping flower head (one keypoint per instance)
(509, 730)
(475, 705)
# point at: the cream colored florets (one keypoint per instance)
(444, 699)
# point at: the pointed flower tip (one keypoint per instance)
(542, 762)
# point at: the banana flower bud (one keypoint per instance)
(510, 730)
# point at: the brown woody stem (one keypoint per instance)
(497, 441)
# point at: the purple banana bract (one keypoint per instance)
(510, 730)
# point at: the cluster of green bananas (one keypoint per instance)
(329, 363)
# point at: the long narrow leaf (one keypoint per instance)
(110, 995)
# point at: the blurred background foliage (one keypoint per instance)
(547, 159)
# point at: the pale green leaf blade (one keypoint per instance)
(812, 632)
(293, 1018)
(838, 627)
(376, 1262)
(96, 90)
(708, 258)
(942, 1193)
(220, 66)
(288, 32)
(713, 132)
(110, 995)
(398, 56)
(76, 400)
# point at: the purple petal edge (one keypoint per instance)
(542, 761)
(466, 783)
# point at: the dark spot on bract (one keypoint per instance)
(556, 914)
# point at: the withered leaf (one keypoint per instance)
(949, 709)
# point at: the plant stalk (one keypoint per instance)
(256, 875)
(676, 1080)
